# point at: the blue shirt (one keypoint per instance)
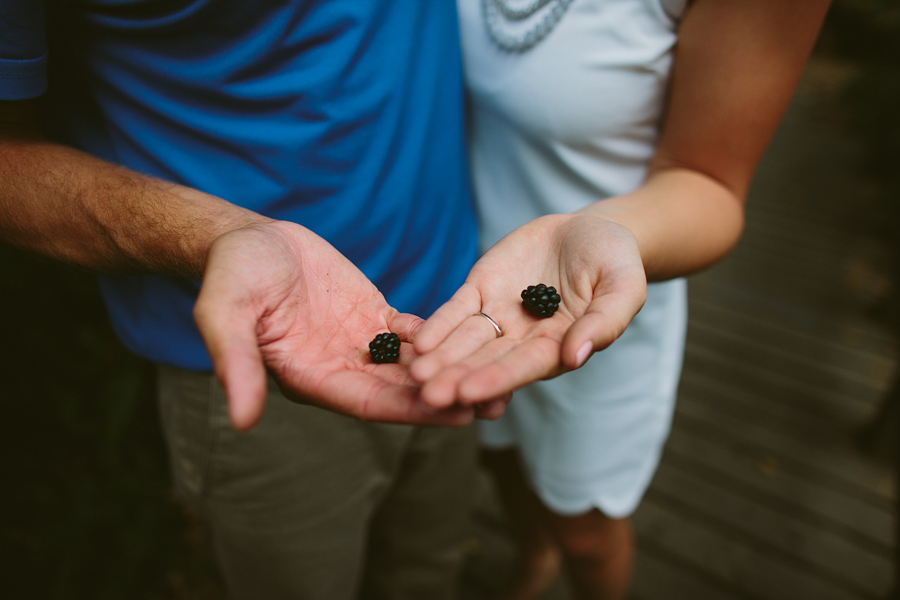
(342, 115)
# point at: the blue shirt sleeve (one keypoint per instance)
(23, 49)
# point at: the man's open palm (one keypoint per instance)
(280, 296)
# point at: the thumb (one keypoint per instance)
(606, 318)
(230, 339)
(405, 325)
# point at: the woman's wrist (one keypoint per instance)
(683, 221)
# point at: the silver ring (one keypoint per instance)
(493, 322)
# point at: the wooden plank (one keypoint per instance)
(814, 343)
(778, 280)
(801, 264)
(700, 362)
(791, 205)
(824, 250)
(795, 312)
(770, 242)
(853, 288)
(783, 393)
(846, 471)
(760, 260)
(811, 418)
(661, 576)
(770, 224)
(829, 556)
(757, 474)
(739, 295)
(666, 527)
(784, 221)
(819, 369)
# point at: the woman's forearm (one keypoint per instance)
(684, 221)
(736, 66)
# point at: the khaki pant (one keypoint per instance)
(310, 505)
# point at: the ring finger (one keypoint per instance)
(473, 333)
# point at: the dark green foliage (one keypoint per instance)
(864, 30)
(868, 33)
(86, 494)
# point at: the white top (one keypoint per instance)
(571, 121)
(574, 119)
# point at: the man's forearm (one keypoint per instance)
(72, 206)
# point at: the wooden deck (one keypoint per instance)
(762, 493)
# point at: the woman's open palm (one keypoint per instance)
(595, 266)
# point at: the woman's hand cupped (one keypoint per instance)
(595, 266)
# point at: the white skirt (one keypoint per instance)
(592, 438)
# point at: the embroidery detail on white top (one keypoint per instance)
(499, 14)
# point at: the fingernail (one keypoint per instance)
(583, 354)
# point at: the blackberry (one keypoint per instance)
(540, 300)
(385, 348)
